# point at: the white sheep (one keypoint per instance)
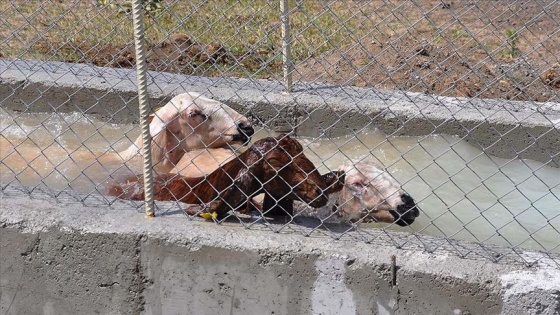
(189, 121)
(368, 194)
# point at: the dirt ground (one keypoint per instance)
(430, 69)
(402, 64)
(488, 49)
(474, 58)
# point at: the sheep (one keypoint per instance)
(276, 167)
(366, 193)
(187, 122)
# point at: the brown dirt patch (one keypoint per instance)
(429, 69)
(473, 59)
(178, 54)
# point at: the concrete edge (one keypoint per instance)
(517, 289)
(502, 128)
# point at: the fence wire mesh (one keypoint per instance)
(455, 102)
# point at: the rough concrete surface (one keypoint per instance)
(68, 258)
(503, 128)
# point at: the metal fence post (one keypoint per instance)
(143, 106)
(287, 64)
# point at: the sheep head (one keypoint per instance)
(288, 173)
(190, 121)
(370, 194)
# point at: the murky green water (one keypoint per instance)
(463, 193)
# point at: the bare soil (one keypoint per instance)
(434, 55)
(401, 64)
(430, 69)
(178, 54)
(473, 59)
(452, 48)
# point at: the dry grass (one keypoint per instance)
(242, 37)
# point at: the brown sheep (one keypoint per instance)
(276, 167)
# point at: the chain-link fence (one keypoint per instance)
(439, 119)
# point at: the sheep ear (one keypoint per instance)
(165, 148)
(158, 145)
(173, 126)
(157, 125)
(167, 117)
(345, 167)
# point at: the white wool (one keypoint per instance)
(365, 186)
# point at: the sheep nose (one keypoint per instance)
(245, 132)
(406, 212)
(409, 207)
(245, 128)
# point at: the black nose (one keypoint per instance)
(406, 212)
(246, 131)
(334, 181)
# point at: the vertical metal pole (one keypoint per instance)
(143, 106)
(286, 46)
(393, 270)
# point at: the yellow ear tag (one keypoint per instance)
(208, 215)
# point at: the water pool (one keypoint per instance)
(463, 193)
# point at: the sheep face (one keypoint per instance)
(191, 121)
(372, 195)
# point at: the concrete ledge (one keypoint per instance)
(66, 258)
(499, 127)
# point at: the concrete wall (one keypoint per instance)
(67, 258)
(73, 259)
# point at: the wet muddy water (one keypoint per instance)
(463, 193)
